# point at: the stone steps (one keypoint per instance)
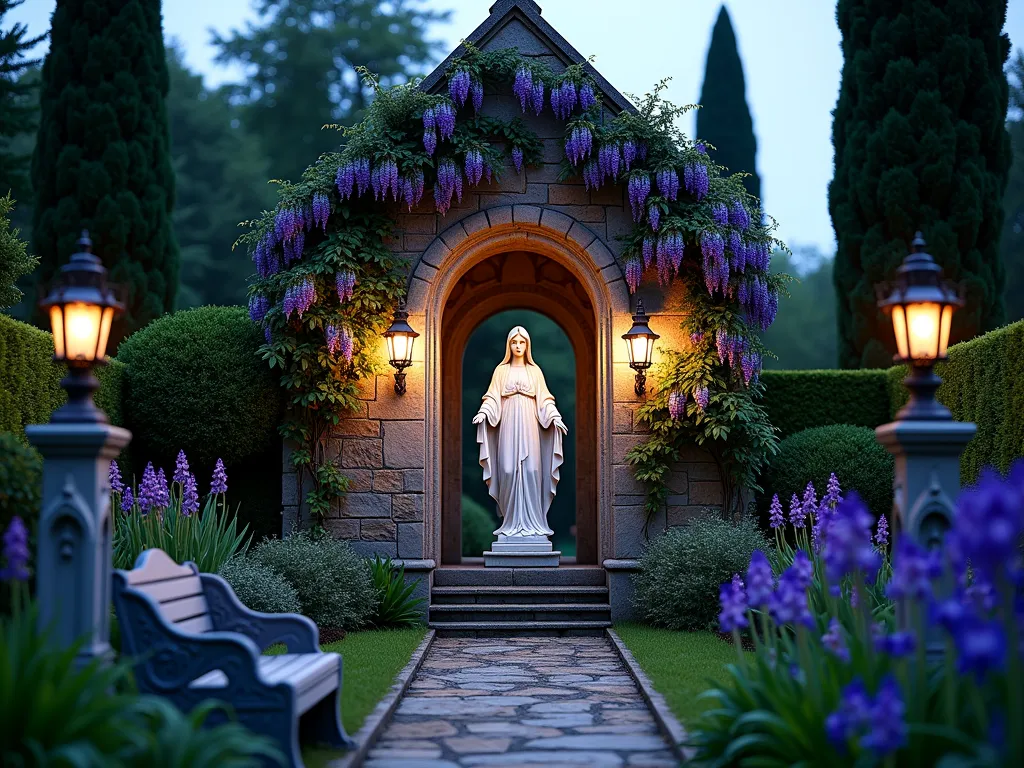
(472, 601)
(509, 595)
(521, 628)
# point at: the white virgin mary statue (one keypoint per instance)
(520, 434)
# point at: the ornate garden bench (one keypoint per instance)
(191, 640)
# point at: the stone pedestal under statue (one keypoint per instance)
(520, 433)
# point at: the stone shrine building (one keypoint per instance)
(528, 242)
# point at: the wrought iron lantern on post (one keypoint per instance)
(75, 527)
(924, 439)
(640, 344)
(400, 339)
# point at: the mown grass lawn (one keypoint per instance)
(372, 659)
(681, 665)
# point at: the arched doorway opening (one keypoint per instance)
(519, 280)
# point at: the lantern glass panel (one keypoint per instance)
(105, 323)
(641, 349)
(947, 321)
(899, 327)
(923, 325)
(57, 324)
(81, 330)
(400, 348)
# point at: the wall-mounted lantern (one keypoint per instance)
(81, 306)
(400, 337)
(640, 343)
(921, 305)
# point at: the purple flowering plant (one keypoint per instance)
(867, 658)
(175, 518)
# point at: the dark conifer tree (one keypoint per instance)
(1011, 246)
(18, 110)
(724, 119)
(920, 144)
(102, 158)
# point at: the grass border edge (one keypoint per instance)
(378, 719)
(670, 727)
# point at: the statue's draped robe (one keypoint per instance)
(520, 448)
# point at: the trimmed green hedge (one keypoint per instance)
(983, 382)
(30, 380)
(799, 400)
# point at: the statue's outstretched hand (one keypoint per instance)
(560, 426)
(479, 418)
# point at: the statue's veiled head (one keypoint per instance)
(517, 346)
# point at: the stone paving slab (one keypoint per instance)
(520, 702)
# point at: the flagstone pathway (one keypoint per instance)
(537, 701)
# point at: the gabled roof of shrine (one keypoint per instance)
(505, 16)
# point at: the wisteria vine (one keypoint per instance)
(326, 281)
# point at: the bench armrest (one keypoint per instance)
(228, 614)
(166, 659)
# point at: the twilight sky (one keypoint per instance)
(790, 51)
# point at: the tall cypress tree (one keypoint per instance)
(920, 143)
(102, 158)
(17, 103)
(1011, 246)
(724, 118)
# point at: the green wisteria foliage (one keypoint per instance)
(327, 282)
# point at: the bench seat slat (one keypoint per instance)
(311, 675)
(173, 589)
(175, 611)
(196, 626)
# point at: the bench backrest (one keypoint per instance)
(176, 589)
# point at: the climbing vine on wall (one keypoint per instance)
(327, 282)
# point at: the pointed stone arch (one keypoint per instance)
(552, 235)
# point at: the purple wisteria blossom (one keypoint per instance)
(474, 166)
(458, 86)
(701, 396)
(634, 274)
(775, 516)
(449, 181)
(592, 174)
(345, 345)
(738, 215)
(412, 188)
(716, 267)
(720, 214)
(180, 468)
(430, 141)
(517, 159)
(587, 96)
(733, 601)
(668, 183)
(608, 160)
(563, 99)
(629, 153)
(114, 478)
(522, 87)
(579, 144)
(15, 551)
(444, 115)
(344, 284)
(835, 642)
(259, 305)
(476, 95)
(538, 97)
(265, 257)
(676, 404)
(219, 484)
(299, 297)
(696, 179)
(654, 215)
(639, 188)
(332, 339)
(760, 580)
(647, 251)
(189, 496)
(321, 210)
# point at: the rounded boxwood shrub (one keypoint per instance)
(333, 582)
(860, 462)
(682, 570)
(195, 382)
(260, 587)
(21, 481)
